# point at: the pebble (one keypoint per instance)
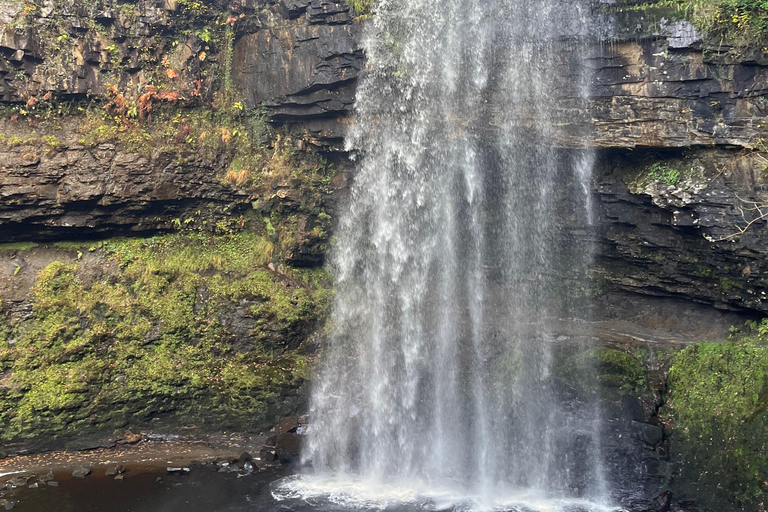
(34, 485)
(53, 483)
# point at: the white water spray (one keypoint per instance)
(455, 254)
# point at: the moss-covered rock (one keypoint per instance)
(192, 329)
(717, 408)
(609, 372)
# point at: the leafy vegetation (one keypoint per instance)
(658, 172)
(718, 398)
(154, 336)
(362, 7)
(737, 22)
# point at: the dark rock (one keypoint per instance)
(288, 442)
(244, 458)
(649, 434)
(116, 470)
(664, 501)
(302, 72)
(81, 472)
(73, 194)
(19, 480)
(684, 240)
(46, 477)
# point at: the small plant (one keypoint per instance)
(664, 174)
(362, 7)
(658, 172)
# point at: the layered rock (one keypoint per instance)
(699, 235)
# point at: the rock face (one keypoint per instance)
(652, 94)
(305, 69)
(698, 236)
(80, 191)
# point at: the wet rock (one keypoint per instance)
(53, 483)
(177, 470)
(7, 504)
(46, 477)
(664, 501)
(302, 73)
(243, 459)
(34, 485)
(19, 480)
(209, 465)
(649, 434)
(287, 443)
(81, 472)
(227, 467)
(116, 470)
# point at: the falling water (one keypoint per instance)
(455, 256)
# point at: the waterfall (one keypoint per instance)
(457, 253)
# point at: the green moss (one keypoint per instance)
(155, 338)
(18, 246)
(718, 397)
(362, 7)
(658, 173)
(610, 372)
(6, 359)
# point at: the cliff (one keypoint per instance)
(212, 135)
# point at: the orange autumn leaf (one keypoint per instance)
(171, 73)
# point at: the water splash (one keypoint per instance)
(457, 250)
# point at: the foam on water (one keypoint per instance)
(349, 491)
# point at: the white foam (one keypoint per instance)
(353, 492)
